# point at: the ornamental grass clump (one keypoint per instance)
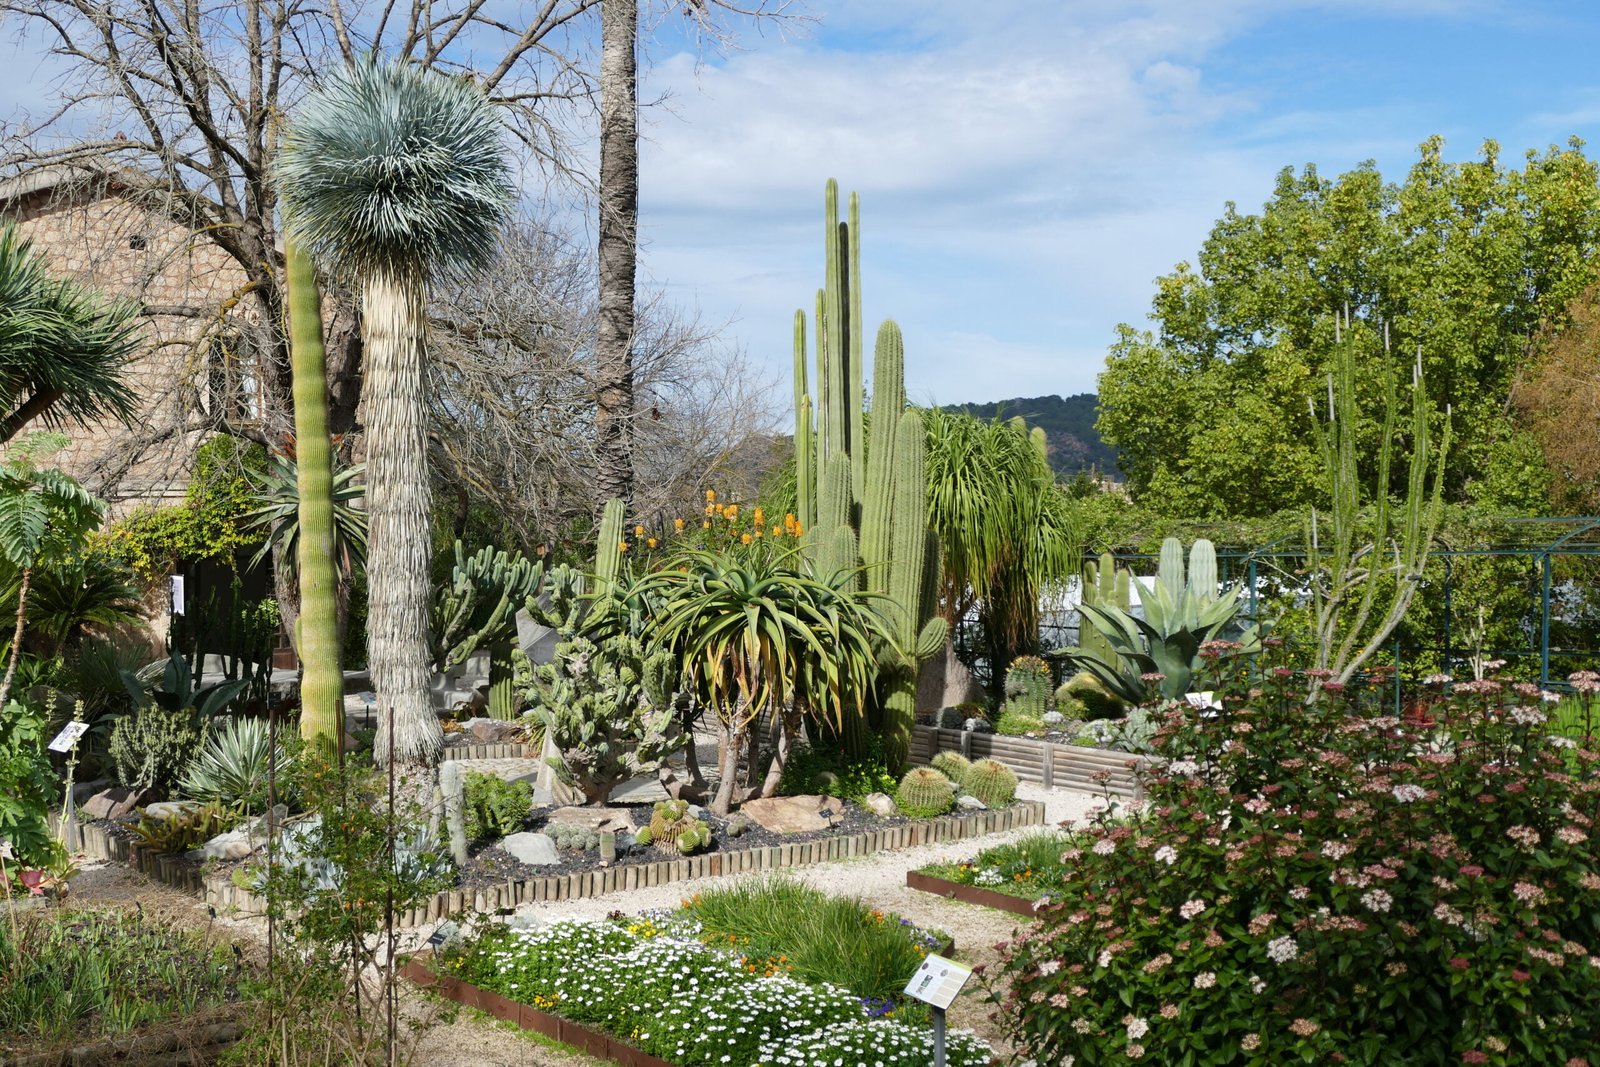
(1331, 883)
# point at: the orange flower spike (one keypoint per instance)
(677, 524)
(744, 539)
(732, 512)
(650, 542)
(757, 534)
(706, 525)
(761, 517)
(777, 531)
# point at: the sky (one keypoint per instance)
(1028, 168)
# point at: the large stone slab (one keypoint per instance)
(536, 850)
(492, 731)
(795, 815)
(115, 803)
(617, 820)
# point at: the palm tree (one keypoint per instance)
(390, 175)
(62, 348)
(43, 512)
(1005, 529)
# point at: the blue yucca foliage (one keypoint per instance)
(393, 168)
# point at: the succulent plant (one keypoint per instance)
(1095, 699)
(740, 825)
(674, 828)
(953, 765)
(570, 835)
(1028, 686)
(924, 793)
(231, 766)
(644, 837)
(991, 782)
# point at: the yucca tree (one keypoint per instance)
(391, 175)
(1005, 529)
(43, 513)
(62, 347)
(755, 633)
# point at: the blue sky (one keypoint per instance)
(1028, 168)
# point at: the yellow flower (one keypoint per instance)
(731, 511)
(761, 517)
(638, 531)
(744, 539)
(622, 546)
(711, 495)
(777, 531)
(706, 525)
(677, 524)
(650, 542)
(757, 534)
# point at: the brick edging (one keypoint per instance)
(220, 892)
(969, 894)
(594, 1042)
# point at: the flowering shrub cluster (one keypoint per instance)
(1331, 884)
(654, 983)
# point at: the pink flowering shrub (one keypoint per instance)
(1331, 884)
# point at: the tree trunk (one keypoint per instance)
(398, 537)
(731, 741)
(780, 754)
(16, 637)
(317, 643)
(618, 230)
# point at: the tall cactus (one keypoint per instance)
(865, 503)
(478, 609)
(1105, 585)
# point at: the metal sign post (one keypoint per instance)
(936, 984)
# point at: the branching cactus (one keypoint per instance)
(1028, 687)
(478, 609)
(864, 504)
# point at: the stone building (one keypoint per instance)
(195, 371)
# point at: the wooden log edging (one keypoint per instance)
(506, 751)
(969, 894)
(594, 1042)
(1046, 763)
(219, 891)
(166, 1045)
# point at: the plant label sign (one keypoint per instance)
(938, 981)
(68, 736)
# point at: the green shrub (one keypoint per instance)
(1029, 867)
(495, 807)
(1330, 883)
(991, 782)
(1015, 723)
(187, 830)
(924, 793)
(151, 747)
(232, 765)
(28, 787)
(808, 766)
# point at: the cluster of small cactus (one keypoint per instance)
(674, 828)
(991, 782)
(924, 793)
(1028, 686)
(478, 609)
(570, 835)
(953, 765)
(1031, 707)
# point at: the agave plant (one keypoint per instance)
(277, 512)
(232, 765)
(1182, 611)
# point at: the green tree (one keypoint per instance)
(44, 514)
(392, 174)
(62, 348)
(1462, 263)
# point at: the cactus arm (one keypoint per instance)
(855, 354)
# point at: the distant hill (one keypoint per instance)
(1068, 424)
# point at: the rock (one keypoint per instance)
(280, 813)
(971, 803)
(880, 804)
(170, 809)
(828, 781)
(115, 803)
(795, 815)
(949, 719)
(978, 726)
(233, 845)
(536, 850)
(617, 820)
(493, 731)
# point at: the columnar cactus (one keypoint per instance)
(991, 782)
(1105, 585)
(1028, 688)
(478, 609)
(452, 784)
(866, 506)
(924, 793)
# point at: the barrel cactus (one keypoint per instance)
(1098, 701)
(991, 782)
(674, 828)
(953, 765)
(924, 793)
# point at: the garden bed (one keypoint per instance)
(108, 841)
(970, 894)
(1048, 763)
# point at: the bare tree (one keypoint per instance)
(515, 383)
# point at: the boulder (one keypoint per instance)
(970, 803)
(617, 820)
(115, 803)
(881, 804)
(536, 850)
(233, 845)
(492, 731)
(978, 726)
(795, 815)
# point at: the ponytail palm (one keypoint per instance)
(755, 632)
(392, 175)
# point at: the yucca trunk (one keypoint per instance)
(317, 629)
(618, 241)
(397, 499)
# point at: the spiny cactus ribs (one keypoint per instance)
(924, 793)
(953, 765)
(991, 782)
(675, 829)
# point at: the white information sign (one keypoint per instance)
(938, 981)
(68, 736)
(1202, 701)
(177, 594)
